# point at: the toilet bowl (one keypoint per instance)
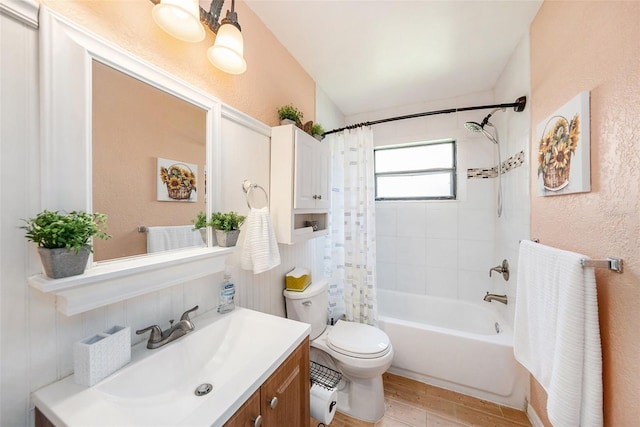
(362, 353)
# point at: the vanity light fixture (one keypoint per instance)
(180, 19)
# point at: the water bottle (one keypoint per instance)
(227, 295)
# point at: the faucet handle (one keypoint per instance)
(185, 315)
(156, 333)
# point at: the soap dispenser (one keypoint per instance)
(227, 295)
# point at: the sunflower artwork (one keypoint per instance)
(563, 149)
(177, 181)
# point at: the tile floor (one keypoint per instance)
(414, 404)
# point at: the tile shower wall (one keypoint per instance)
(439, 248)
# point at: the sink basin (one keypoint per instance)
(233, 352)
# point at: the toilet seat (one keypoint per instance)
(358, 340)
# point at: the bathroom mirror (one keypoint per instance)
(134, 125)
(105, 154)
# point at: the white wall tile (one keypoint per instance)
(442, 253)
(386, 249)
(410, 250)
(476, 224)
(442, 221)
(411, 279)
(476, 255)
(442, 282)
(386, 219)
(386, 275)
(412, 221)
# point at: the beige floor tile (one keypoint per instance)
(438, 421)
(390, 422)
(461, 399)
(474, 417)
(515, 415)
(414, 416)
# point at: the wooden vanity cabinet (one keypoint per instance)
(283, 399)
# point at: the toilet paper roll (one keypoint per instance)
(323, 403)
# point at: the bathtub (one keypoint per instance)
(459, 345)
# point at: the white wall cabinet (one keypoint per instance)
(300, 184)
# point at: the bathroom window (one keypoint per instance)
(419, 171)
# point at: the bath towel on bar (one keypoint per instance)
(557, 333)
(172, 237)
(260, 252)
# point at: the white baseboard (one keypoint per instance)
(533, 417)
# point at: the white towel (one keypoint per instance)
(260, 252)
(173, 237)
(557, 334)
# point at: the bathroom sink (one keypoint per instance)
(233, 352)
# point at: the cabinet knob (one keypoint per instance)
(273, 402)
(315, 197)
(319, 196)
(257, 421)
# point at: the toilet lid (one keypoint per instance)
(358, 340)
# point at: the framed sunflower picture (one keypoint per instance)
(177, 181)
(564, 149)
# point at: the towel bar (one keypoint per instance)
(142, 229)
(247, 186)
(611, 263)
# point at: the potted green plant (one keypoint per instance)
(317, 131)
(227, 227)
(200, 223)
(289, 114)
(64, 239)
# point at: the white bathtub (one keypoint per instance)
(453, 344)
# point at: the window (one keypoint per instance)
(422, 171)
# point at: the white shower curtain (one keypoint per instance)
(350, 250)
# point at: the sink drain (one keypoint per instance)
(203, 389)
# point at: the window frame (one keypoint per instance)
(419, 172)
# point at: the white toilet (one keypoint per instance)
(362, 353)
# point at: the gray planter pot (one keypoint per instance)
(61, 262)
(203, 233)
(227, 239)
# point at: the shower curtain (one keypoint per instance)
(350, 248)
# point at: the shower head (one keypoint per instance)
(473, 126)
(479, 127)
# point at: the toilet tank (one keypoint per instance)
(309, 306)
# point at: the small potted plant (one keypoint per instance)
(317, 131)
(227, 227)
(200, 223)
(290, 115)
(64, 239)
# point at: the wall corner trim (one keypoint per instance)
(25, 11)
(533, 417)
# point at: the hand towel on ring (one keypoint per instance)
(260, 252)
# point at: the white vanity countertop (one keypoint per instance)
(235, 352)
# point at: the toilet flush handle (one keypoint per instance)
(307, 303)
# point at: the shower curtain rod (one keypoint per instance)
(518, 106)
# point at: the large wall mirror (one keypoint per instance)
(148, 158)
(111, 124)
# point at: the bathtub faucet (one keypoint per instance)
(493, 297)
(502, 269)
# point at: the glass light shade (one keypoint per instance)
(226, 53)
(180, 18)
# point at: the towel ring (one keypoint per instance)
(247, 186)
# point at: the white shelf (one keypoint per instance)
(110, 282)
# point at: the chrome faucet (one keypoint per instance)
(158, 337)
(493, 297)
(502, 269)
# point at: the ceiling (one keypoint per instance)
(373, 55)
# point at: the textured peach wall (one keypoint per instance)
(273, 77)
(595, 46)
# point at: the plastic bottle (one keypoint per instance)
(227, 295)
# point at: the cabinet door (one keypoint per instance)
(290, 386)
(323, 176)
(247, 414)
(305, 193)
